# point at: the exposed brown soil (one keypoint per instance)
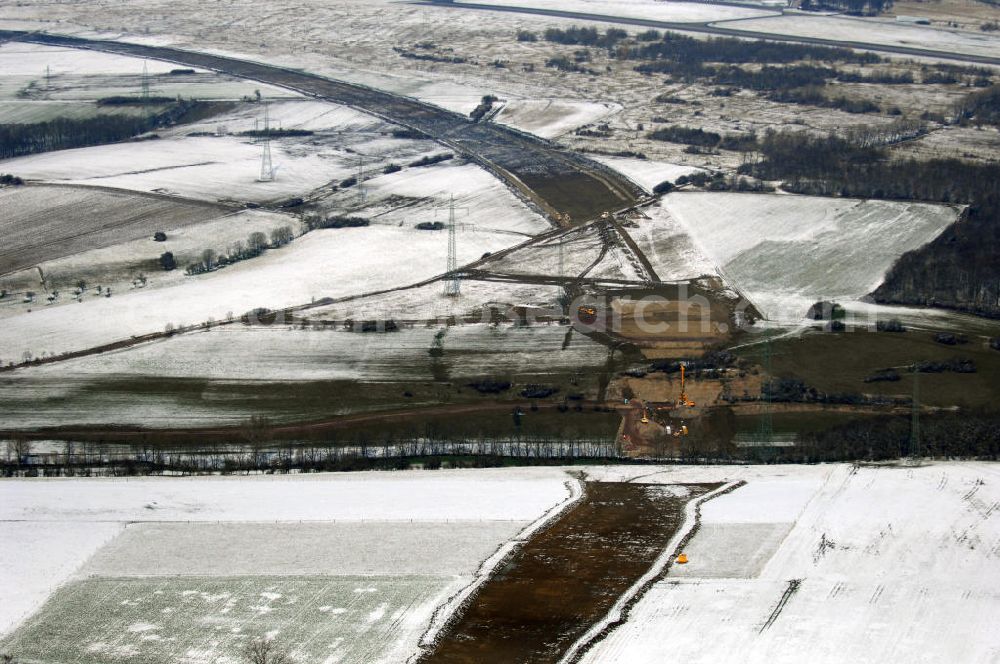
(567, 577)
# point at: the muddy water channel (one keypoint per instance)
(567, 576)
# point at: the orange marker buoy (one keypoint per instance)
(682, 559)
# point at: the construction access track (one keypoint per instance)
(556, 180)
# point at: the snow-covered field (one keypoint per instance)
(43, 224)
(550, 118)
(324, 263)
(430, 303)
(75, 391)
(577, 252)
(786, 252)
(892, 564)
(42, 73)
(358, 581)
(646, 173)
(116, 265)
(874, 31)
(20, 59)
(206, 168)
(668, 246)
(318, 619)
(418, 496)
(35, 558)
(685, 12)
(281, 353)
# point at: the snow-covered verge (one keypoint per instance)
(408, 541)
(786, 252)
(890, 564)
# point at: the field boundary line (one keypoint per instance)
(448, 611)
(619, 612)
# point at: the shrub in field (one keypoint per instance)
(664, 187)
(167, 261)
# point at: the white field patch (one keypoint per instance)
(574, 253)
(550, 118)
(21, 59)
(419, 496)
(305, 114)
(430, 303)
(483, 204)
(646, 173)
(323, 263)
(389, 548)
(357, 582)
(894, 564)
(35, 558)
(42, 73)
(43, 223)
(208, 620)
(875, 31)
(786, 252)
(109, 266)
(75, 391)
(668, 247)
(204, 168)
(687, 12)
(29, 112)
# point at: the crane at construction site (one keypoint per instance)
(683, 401)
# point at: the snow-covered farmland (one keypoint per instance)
(646, 173)
(358, 582)
(35, 558)
(40, 224)
(304, 114)
(252, 549)
(686, 12)
(77, 391)
(27, 112)
(669, 247)
(786, 252)
(349, 619)
(281, 353)
(323, 263)
(429, 302)
(116, 265)
(21, 59)
(890, 33)
(585, 251)
(205, 168)
(483, 204)
(371, 496)
(550, 118)
(890, 564)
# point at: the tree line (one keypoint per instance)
(66, 133)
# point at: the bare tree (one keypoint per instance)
(262, 650)
(18, 449)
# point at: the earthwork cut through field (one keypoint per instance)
(567, 577)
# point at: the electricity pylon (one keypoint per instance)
(266, 168)
(452, 282)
